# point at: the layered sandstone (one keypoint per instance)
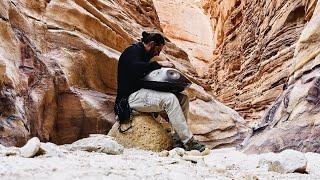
(186, 24)
(143, 132)
(254, 45)
(213, 123)
(58, 65)
(293, 120)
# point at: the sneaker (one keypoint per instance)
(193, 144)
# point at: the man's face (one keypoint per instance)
(154, 50)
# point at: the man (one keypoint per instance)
(133, 65)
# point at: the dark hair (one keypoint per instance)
(157, 38)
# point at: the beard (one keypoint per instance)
(151, 53)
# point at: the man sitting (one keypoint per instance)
(134, 64)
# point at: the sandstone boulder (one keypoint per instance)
(213, 123)
(145, 133)
(97, 143)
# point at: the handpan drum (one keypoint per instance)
(166, 79)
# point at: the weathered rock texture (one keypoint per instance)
(58, 65)
(293, 121)
(213, 123)
(185, 24)
(255, 43)
(96, 143)
(30, 148)
(145, 133)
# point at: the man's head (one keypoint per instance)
(153, 43)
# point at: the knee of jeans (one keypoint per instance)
(170, 98)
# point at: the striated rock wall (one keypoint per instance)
(58, 66)
(254, 49)
(293, 120)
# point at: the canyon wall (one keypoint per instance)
(186, 24)
(58, 66)
(266, 66)
(293, 120)
(254, 45)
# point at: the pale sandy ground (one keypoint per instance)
(132, 164)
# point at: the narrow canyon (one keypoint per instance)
(254, 67)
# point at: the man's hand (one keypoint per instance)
(166, 64)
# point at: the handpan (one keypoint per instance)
(166, 79)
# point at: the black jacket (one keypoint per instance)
(132, 66)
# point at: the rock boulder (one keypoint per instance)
(145, 133)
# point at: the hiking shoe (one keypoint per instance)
(194, 145)
(177, 143)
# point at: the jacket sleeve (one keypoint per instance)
(137, 67)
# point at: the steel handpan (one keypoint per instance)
(166, 79)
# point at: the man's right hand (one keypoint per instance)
(166, 64)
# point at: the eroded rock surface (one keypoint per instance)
(145, 133)
(254, 47)
(30, 148)
(185, 24)
(213, 123)
(293, 119)
(58, 64)
(96, 143)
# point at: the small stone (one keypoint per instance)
(220, 170)
(164, 153)
(52, 150)
(194, 159)
(207, 151)
(173, 153)
(180, 151)
(30, 148)
(193, 153)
